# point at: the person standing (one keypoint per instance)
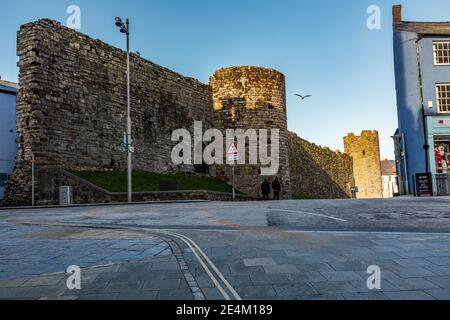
(276, 186)
(265, 189)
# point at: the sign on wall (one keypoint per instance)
(443, 122)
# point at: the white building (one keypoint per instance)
(8, 145)
(390, 178)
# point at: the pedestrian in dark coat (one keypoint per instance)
(276, 186)
(265, 189)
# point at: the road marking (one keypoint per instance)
(308, 213)
(215, 269)
(188, 241)
(446, 234)
(211, 276)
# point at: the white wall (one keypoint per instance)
(8, 146)
(390, 186)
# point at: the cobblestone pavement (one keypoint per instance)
(264, 250)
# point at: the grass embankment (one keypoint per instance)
(115, 181)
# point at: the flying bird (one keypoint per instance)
(304, 97)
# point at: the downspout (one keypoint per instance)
(426, 146)
(405, 168)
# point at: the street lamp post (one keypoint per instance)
(125, 28)
(33, 164)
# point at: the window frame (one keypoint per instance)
(435, 50)
(438, 98)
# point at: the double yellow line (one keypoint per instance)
(226, 290)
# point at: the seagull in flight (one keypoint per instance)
(304, 97)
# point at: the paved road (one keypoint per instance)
(214, 250)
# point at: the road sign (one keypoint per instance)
(233, 153)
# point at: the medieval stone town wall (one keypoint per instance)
(365, 152)
(71, 106)
(71, 114)
(318, 172)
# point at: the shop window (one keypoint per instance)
(442, 154)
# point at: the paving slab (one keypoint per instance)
(366, 296)
(439, 294)
(256, 292)
(259, 262)
(334, 276)
(269, 250)
(409, 295)
(295, 290)
(281, 269)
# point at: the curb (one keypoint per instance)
(104, 204)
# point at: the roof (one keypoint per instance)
(8, 87)
(388, 168)
(424, 28)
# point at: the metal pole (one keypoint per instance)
(234, 190)
(32, 181)
(129, 138)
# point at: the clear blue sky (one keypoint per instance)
(323, 47)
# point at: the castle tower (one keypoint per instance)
(252, 98)
(365, 151)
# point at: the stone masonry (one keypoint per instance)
(71, 115)
(71, 107)
(365, 152)
(319, 172)
(252, 98)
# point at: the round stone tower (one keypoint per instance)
(253, 98)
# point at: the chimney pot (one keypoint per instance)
(397, 14)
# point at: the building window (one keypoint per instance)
(442, 154)
(441, 52)
(443, 97)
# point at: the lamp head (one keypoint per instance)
(119, 22)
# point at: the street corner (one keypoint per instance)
(79, 263)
